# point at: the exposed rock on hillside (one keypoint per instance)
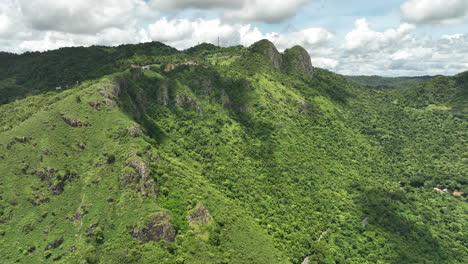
(199, 216)
(157, 228)
(137, 176)
(268, 49)
(299, 59)
(73, 122)
(134, 131)
(23, 139)
(95, 105)
(56, 180)
(55, 244)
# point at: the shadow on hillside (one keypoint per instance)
(413, 242)
(131, 105)
(331, 85)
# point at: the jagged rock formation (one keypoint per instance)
(268, 49)
(296, 58)
(299, 59)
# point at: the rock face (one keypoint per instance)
(199, 216)
(299, 59)
(157, 228)
(295, 58)
(136, 176)
(268, 49)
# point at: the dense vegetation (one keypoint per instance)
(379, 82)
(232, 155)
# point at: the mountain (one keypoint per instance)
(226, 155)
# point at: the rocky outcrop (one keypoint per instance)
(199, 216)
(38, 199)
(140, 167)
(95, 105)
(186, 100)
(73, 122)
(136, 175)
(108, 102)
(298, 58)
(268, 49)
(54, 244)
(301, 107)
(23, 139)
(295, 58)
(56, 180)
(158, 228)
(134, 131)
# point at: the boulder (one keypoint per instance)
(156, 229)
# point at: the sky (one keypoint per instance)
(358, 37)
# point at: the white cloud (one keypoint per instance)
(435, 11)
(5, 24)
(326, 63)
(396, 52)
(200, 4)
(40, 25)
(264, 11)
(308, 38)
(362, 37)
(54, 40)
(184, 33)
(83, 16)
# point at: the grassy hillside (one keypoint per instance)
(219, 156)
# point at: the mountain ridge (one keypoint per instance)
(225, 158)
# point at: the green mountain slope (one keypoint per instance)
(388, 82)
(238, 155)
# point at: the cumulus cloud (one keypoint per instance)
(84, 16)
(435, 11)
(40, 25)
(267, 11)
(363, 37)
(200, 4)
(396, 52)
(264, 11)
(184, 33)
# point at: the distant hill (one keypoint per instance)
(148, 154)
(388, 82)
